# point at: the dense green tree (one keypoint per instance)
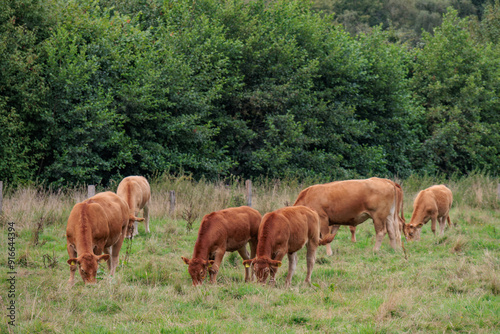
(458, 84)
(22, 28)
(95, 90)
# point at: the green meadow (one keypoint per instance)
(447, 284)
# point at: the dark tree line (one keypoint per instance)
(94, 90)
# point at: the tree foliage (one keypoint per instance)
(457, 81)
(94, 90)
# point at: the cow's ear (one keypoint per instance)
(275, 263)
(103, 257)
(73, 261)
(133, 218)
(247, 263)
(186, 260)
(210, 263)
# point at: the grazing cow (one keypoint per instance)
(433, 203)
(96, 225)
(223, 231)
(136, 192)
(351, 202)
(285, 231)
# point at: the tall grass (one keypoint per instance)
(447, 284)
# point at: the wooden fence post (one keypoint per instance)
(498, 191)
(172, 202)
(248, 185)
(91, 191)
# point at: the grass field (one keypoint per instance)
(443, 284)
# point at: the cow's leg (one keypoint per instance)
(244, 255)
(353, 233)
(115, 252)
(331, 229)
(391, 228)
(292, 265)
(146, 216)
(72, 268)
(278, 256)
(442, 225)
(433, 224)
(136, 225)
(107, 250)
(417, 232)
(253, 253)
(214, 269)
(380, 231)
(311, 258)
(449, 220)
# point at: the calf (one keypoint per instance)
(285, 231)
(223, 231)
(433, 203)
(136, 192)
(96, 225)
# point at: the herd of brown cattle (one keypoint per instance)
(100, 224)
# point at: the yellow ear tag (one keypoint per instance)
(209, 265)
(73, 263)
(247, 265)
(279, 264)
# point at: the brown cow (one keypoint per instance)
(223, 231)
(351, 202)
(433, 203)
(95, 225)
(285, 231)
(136, 192)
(400, 215)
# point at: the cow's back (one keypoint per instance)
(343, 200)
(235, 225)
(443, 197)
(87, 223)
(135, 190)
(116, 210)
(303, 221)
(292, 226)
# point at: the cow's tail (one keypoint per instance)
(400, 202)
(398, 212)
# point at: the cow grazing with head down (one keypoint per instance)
(96, 225)
(136, 192)
(351, 202)
(433, 204)
(285, 231)
(223, 231)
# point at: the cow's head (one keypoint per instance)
(262, 267)
(412, 231)
(87, 266)
(198, 269)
